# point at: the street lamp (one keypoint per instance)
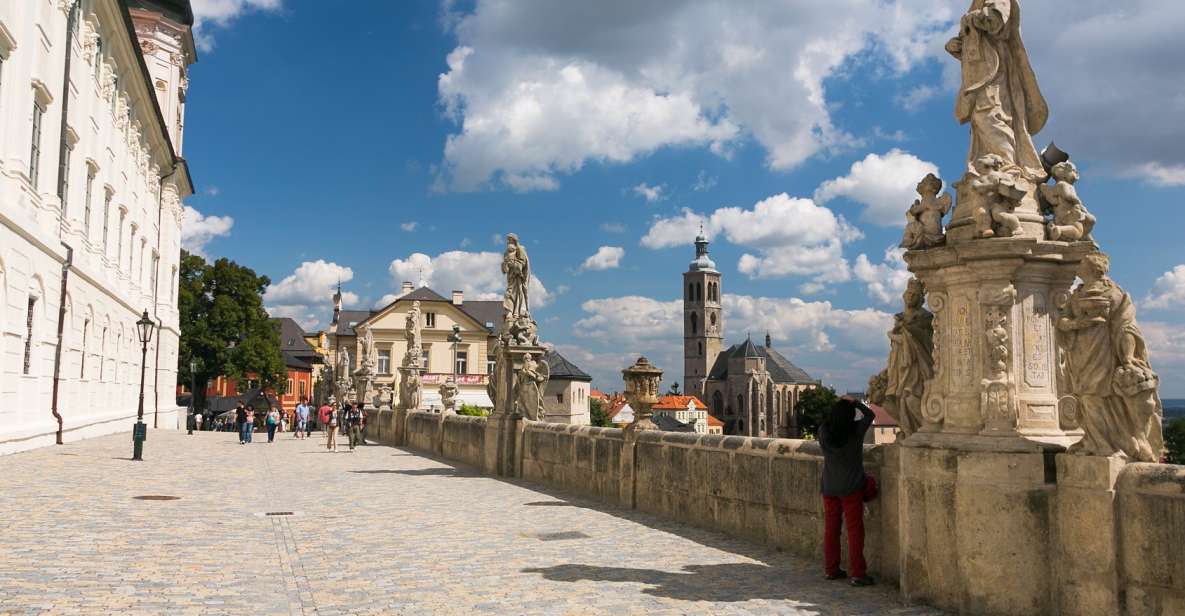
(455, 338)
(192, 393)
(144, 328)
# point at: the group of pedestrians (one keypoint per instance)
(349, 419)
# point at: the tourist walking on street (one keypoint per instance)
(273, 422)
(323, 415)
(241, 423)
(249, 424)
(331, 429)
(302, 418)
(845, 486)
(354, 424)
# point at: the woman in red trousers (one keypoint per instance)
(842, 439)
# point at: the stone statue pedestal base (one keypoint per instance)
(996, 374)
(504, 427)
(974, 530)
(1086, 545)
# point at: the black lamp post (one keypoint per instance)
(144, 328)
(455, 338)
(192, 393)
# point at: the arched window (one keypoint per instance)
(694, 320)
(712, 318)
(690, 291)
(701, 349)
(699, 292)
(718, 403)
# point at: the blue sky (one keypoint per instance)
(398, 139)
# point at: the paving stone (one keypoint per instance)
(375, 532)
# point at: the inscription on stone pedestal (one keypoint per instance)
(1036, 328)
(963, 368)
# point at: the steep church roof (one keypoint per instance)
(562, 369)
(781, 370)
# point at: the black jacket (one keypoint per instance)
(843, 467)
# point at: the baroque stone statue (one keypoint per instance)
(516, 265)
(911, 361)
(923, 227)
(998, 94)
(410, 389)
(371, 354)
(1119, 408)
(1071, 222)
(529, 383)
(1001, 193)
(413, 334)
(448, 396)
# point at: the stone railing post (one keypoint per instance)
(504, 428)
(641, 391)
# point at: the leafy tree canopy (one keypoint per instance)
(598, 414)
(1174, 441)
(224, 325)
(813, 405)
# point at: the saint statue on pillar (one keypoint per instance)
(517, 267)
(1107, 366)
(998, 95)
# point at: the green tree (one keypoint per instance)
(813, 405)
(472, 411)
(1174, 441)
(224, 326)
(598, 415)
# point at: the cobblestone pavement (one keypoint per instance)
(378, 531)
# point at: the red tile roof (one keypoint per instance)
(598, 394)
(712, 421)
(881, 416)
(678, 403)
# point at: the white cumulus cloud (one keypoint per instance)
(306, 294)
(650, 193)
(1168, 291)
(885, 281)
(885, 184)
(540, 88)
(197, 230)
(606, 257)
(789, 237)
(478, 274)
(221, 13)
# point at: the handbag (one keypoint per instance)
(871, 491)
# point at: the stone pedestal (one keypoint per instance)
(1086, 545)
(975, 530)
(504, 427)
(996, 370)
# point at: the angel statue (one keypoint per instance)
(372, 354)
(517, 267)
(528, 388)
(924, 218)
(1071, 222)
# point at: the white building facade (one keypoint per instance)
(91, 183)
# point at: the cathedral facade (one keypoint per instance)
(751, 388)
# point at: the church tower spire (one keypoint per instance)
(703, 326)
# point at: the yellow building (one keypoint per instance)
(478, 321)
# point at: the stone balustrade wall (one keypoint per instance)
(1109, 535)
(1151, 538)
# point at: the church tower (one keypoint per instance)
(703, 324)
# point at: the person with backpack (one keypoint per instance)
(331, 429)
(845, 487)
(273, 421)
(354, 423)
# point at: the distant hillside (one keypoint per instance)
(1174, 408)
